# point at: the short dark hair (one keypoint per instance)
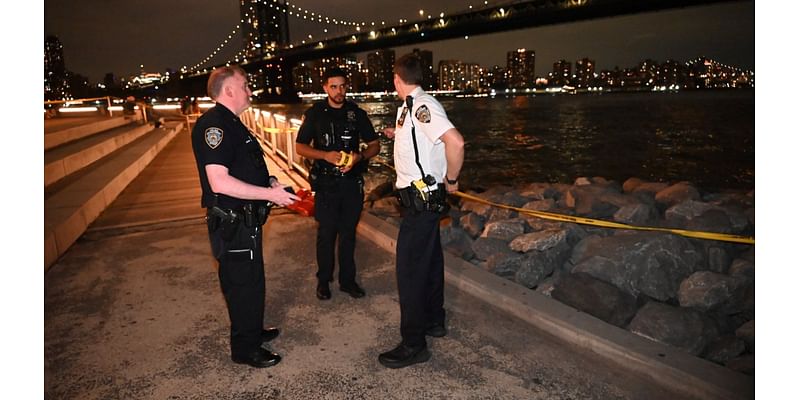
(332, 73)
(218, 77)
(409, 69)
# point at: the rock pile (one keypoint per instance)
(694, 294)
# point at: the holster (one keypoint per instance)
(225, 221)
(434, 201)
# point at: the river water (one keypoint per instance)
(704, 137)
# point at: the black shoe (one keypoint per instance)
(260, 358)
(323, 291)
(353, 290)
(403, 356)
(269, 334)
(436, 330)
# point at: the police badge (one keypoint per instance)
(423, 114)
(213, 137)
(351, 115)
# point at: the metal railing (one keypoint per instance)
(277, 134)
(53, 108)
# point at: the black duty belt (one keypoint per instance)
(249, 214)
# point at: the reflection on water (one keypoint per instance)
(705, 137)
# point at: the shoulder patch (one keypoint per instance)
(213, 137)
(423, 114)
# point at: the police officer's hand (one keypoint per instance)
(451, 187)
(388, 132)
(279, 196)
(356, 158)
(332, 157)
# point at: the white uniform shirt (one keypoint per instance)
(430, 123)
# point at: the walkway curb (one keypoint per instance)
(667, 366)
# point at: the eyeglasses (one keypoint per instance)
(402, 118)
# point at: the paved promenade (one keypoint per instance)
(133, 310)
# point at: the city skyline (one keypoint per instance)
(723, 32)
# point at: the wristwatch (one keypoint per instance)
(451, 181)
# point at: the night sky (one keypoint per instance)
(101, 36)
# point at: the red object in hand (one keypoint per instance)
(304, 206)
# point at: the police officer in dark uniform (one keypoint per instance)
(331, 134)
(237, 193)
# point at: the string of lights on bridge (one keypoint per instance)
(308, 15)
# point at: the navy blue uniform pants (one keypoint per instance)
(420, 275)
(337, 208)
(241, 277)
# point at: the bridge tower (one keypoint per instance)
(265, 29)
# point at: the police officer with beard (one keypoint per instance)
(237, 193)
(331, 134)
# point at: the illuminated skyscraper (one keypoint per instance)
(521, 68)
(380, 65)
(562, 73)
(56, 86)
(426, 59)
(264, 26)
(584, 72)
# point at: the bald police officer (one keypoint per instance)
(238, 192)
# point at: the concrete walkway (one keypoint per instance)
(140, 316)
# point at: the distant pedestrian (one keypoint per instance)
(237, 192)
(129, 106)
(330, 135)
(428, 155)
(186, 107)
(195, 106)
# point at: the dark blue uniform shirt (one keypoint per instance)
(220, 137)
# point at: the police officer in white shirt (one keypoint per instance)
(428, 155)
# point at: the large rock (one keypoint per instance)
(540, 205)
(681, 213)
(745, 364)
(473, 224)
(597, 201)
(743, 268)
(596, 298)
(637, 263)
(540, 191)
(501, 214)
(724, 349)
(718, 258)
(536, 265)
(485, 247)
(540, 241)
(505, 230)
(457, 241)
(707, 291)
(636, 214)
(636, 185)
(684, 328)
(476, 207)
(504, 264)
(386, 206)
(677, 193)
(747, 332)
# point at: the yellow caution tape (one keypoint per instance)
(345, 160)
(596, 222)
